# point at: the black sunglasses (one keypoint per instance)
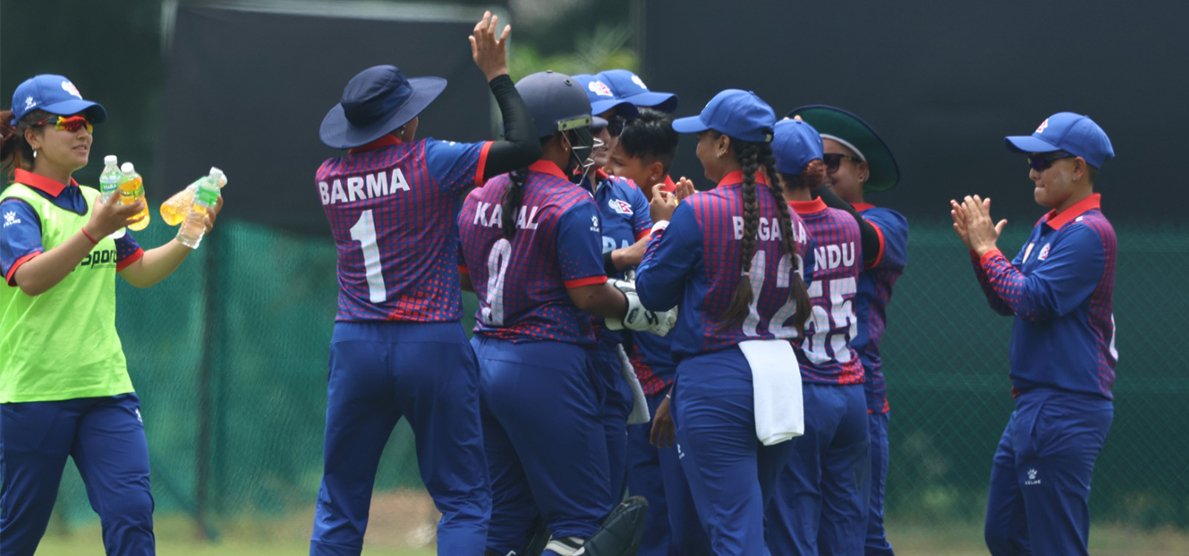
(834, 161)
(1042, 162)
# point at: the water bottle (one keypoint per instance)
(131, 190)
(176, 208)
(109, 180)
(205, 198)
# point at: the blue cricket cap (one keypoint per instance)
(1066, 131)
(794, 144)
(735, 113)
(602, 98)
(54, 94)
(628, 86)
(376, 102)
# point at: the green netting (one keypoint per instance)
(252, 312)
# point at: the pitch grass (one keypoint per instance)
(960, 539)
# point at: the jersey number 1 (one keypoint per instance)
(364, 231)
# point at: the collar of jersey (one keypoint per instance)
(808, 207)
(41, 183)
(736, 177)
(669, 186)
(862, 206)
(1056, 221)
(547, 167)
(385, 141)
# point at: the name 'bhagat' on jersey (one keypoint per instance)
(521, 283)
(391, 208)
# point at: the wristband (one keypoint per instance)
(88, 236)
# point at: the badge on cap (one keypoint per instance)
(29, 103)
(1043, 126)
(70, 88)
(636, 79)
(600, 88)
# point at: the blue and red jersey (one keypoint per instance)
(624, 219)
(875, 291)
(695, 262)
(20, 227)
(521, 283)
(391, 207)
(825, 354)
(1060, 287)
(652, 355)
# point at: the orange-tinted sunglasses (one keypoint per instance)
(69, 123)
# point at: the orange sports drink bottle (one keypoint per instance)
(132, 189)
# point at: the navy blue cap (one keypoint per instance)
(1066, 131)
(376, 102)
(628, 86)
(602, 98)
(735, 113)
(794, 144)
(555, 101)
(54, 94)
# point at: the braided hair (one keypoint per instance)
(510, 202)
(753, 157)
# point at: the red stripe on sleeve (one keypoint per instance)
(482, 166)
(12, 272)
(593, 280)
(127, 261)
(643, 234)
(879, 254)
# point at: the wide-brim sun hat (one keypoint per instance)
(857, 135)
(376, 102)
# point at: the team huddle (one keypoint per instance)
(655, 368)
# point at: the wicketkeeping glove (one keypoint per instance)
(637, 317)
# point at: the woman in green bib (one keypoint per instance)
(64, 385)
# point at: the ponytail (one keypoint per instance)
(15, 151)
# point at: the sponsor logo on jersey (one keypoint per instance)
(370, 186)
(1044, 253)
(1032, 479)
(620, 206)
(10, 219)
(594, 224)
(100, 258)
(599, 88)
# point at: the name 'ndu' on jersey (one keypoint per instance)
(825, 354)
(391, 207)
(521, 283)
(696, 261)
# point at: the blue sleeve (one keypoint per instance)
(126, 247)
(456, 166)
(20, 236)
(641, 216)
(580, 246)
(671, 256)
(805, 244)
(893, 237)
(1060, 283)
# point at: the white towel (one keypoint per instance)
(776, 382)
(639, 412)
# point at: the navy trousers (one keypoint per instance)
(106, 439)
(1039, 499)
(877, 537)
(821, 501)
(426, 373)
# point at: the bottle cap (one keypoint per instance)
(127, 168)
(109, 160)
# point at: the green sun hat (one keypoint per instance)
(850, 130)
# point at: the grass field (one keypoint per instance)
(176, 539)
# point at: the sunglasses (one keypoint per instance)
(68, 123)
(834, 161)
(1042, 162)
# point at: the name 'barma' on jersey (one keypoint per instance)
(491, 215)
(358, 188)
